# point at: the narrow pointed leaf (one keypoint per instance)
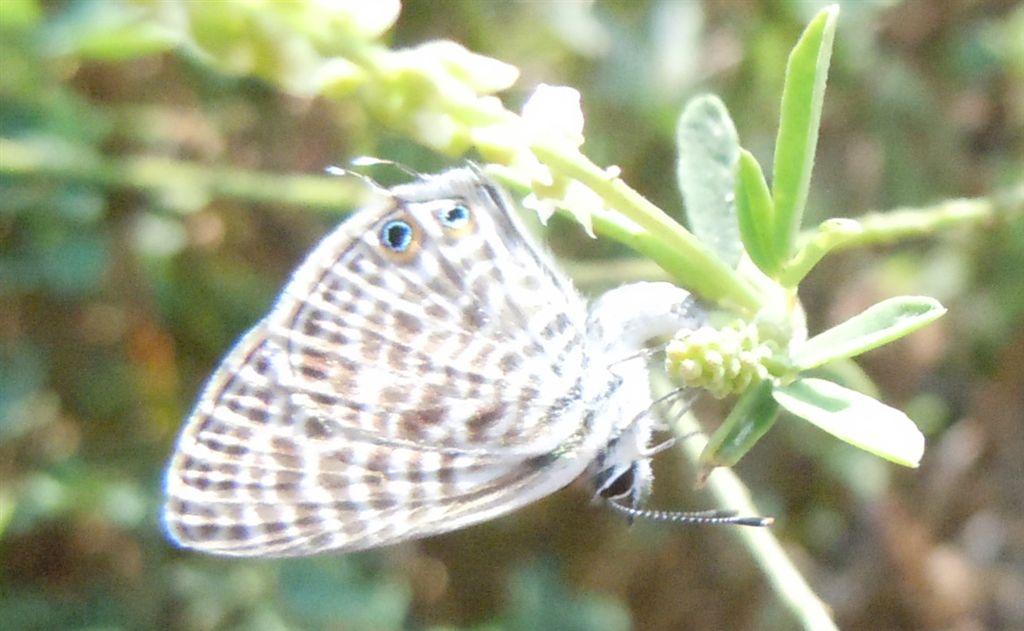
(708, 150)
(855, 418)
(876, 326)
(753, 416)
(802, 98)
(755, 213)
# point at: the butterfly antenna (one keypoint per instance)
(711, 518)
(370, 161)
(366, 179)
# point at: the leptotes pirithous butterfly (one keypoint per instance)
(426, 368)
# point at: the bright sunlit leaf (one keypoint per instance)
(855, 418)
(802, 97)
(708, 150)
(876, 326)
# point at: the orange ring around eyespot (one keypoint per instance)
(458, 225)
(400, 237)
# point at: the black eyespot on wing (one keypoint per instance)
(396, 235)
(457, 220)
(400, 237)
(455, 216)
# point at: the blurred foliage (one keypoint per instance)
(116, 302)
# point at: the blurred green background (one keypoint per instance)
(117, 301)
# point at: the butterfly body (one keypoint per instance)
(426, 368)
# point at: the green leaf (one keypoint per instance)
(847, 373)
(855, 418)
(755, 213)
(876, 326)
(753, 415)
(802, 98)
(708, 150)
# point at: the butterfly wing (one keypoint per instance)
(391, 395)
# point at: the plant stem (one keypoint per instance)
(903, 223)
(663, 239)
(168, 178)
(761, 543)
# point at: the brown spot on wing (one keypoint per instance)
(411, 424)
(479, 424)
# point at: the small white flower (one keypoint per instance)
(484, 75)
(578, 199)
(553, 113)
(583, 202)
(544, 207)
(435, 129)
(552, 116)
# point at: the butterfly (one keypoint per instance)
(427, 367)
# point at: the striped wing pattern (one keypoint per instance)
(392, 394)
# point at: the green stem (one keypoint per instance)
(896, 225)
(829, 236)
(903, 223)
(596, 274)
(761, 543)
(663, 239)
(167, 177)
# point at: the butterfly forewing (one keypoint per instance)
(391, 395)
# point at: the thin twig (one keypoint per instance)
(168, 178)
(761, 543)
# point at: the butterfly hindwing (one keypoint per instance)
(390, 394)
